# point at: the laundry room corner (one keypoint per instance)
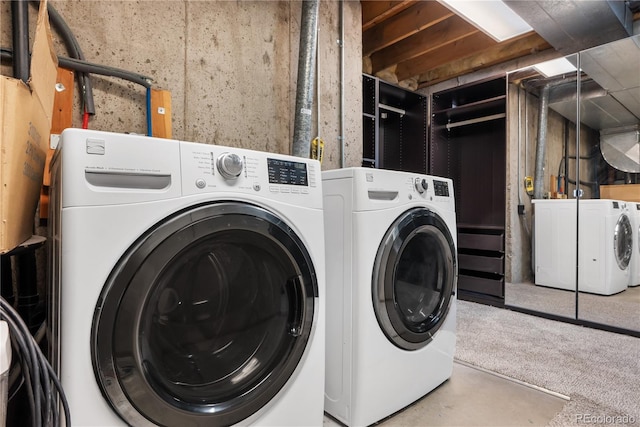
(336, 213)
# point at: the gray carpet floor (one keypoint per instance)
(621, 310)
(599, 371)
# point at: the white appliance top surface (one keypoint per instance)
(375, 189)
(608, 204)
(102, 168)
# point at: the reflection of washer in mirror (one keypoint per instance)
(622, 242)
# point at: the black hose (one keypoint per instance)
(582, 182)
(89, 67)
(42, 386)
(74, 51)
(20, 22)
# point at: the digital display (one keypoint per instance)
(441, 188)
(287, 172)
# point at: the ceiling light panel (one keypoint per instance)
(493, 17)
(555, 67)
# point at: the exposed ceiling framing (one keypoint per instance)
(423, 42)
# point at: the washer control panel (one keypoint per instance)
(287, 172)
(421, 185)
(207, 168)
(229, 165)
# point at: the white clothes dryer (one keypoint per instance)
(187, 282)
(634, 213)
(391, 284)
(604, 244)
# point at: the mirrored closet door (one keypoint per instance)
(574, 153)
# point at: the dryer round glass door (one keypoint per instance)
(414, 278)
(623, 241)
(205, 318)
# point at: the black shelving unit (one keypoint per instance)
(394, 127)
(468, 144)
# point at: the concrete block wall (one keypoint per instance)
(231, 68)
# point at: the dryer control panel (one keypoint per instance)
(440, 188)
(375, 189)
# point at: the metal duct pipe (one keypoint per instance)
(574, 25)
(543, 116)
(20, 29)
(306, 76)
(342, 141)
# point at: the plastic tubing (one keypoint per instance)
(149, 122)
(75, 51)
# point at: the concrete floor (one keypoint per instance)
(474, 397)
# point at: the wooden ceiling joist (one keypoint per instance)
(425, 41)
(416, 18)
(526, 44)
(448, 53)
(374, 12)
(443, 33)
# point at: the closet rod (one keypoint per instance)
(394, 109)
(477, 120)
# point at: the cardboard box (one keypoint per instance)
(25, 123)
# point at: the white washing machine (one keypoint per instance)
(555, 243)
(604, 245)
(187, 281)
(634, 213)
(391, 283)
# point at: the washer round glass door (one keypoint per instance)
(205, 318)
(623, 241)
(414, 278)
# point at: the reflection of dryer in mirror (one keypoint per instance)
(605, 245)
(188, 280)
(634, 212)
(391, 283)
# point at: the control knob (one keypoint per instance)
(229, 165)
(421, 185)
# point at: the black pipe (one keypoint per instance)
(582, 157)
(75, 51)
(89, 67)
(105, 70)
(28, 298)
(565, 160)
(573, 181)
(20, 22)
(6, 279)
